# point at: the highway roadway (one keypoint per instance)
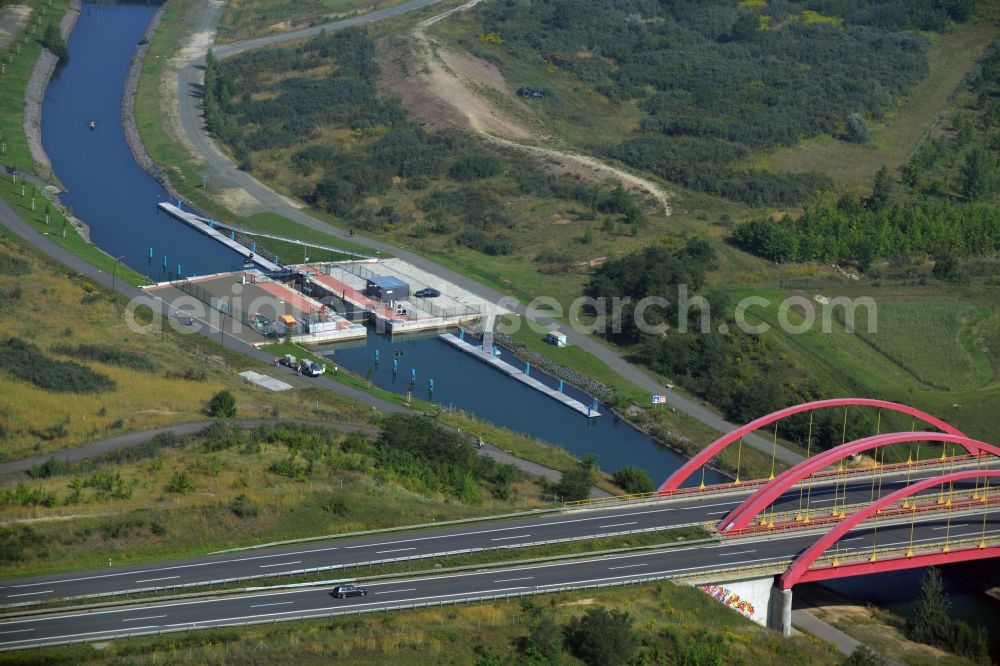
(341, 553)
(270, 606)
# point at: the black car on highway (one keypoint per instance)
(428, 292)
(342, 591)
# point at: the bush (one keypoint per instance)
(110, 355)
(575, 483)
(222, 405)
(244, 507)
(23, 360)
(474, 167)
(52, 39)
(180, 483)
(51, 467)
(633, 479)
(602, 637)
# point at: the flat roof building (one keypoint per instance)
(387, 288)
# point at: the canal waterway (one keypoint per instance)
(105, 187)
(116, 199)
(466, 383)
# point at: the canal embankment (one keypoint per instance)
(38, 83)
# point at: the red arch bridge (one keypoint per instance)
(910, 470)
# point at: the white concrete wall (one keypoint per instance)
(750, 598)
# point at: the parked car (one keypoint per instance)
(428, 292)
(311, 368)
(343, 591)
(288, 360)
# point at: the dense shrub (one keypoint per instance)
(602, 637)
(715, 81)
(52, 39)
(11, 265)
(27, 362)
(633, 479)
(110, 355)
(222, 405)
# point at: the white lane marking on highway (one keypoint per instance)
(521, 527)
(603, 527)
(627, 566)
(280, 564)
(394, 550)
(527, 568)
(943, 527)
(518, 536)
(276, 603)
(716, 513)
(28, 594)
(408, 589)
(738, 552)
(851, 539)
(511, 580)
(16, 631)
(153, 580)
(313, 551)
(140, 619)
(820, 501)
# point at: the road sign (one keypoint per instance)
(659, 399)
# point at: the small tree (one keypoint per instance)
(881, 191)
(180, 483)
(222, 405)
(856, 130)
(53, 40)
(632, 479)
(575, 483)
(979, 174)
(602, 637)
(931, 623)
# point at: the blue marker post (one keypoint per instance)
(461, 334)
(180, 204)
(253, 246)
(151, 254)
(377, 356)
(430, 385)
(232, 235)
(527, 368)
(560, 386)
(178, 271)
(164, 262)
(413, 374)
(395, 366)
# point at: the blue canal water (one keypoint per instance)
(466, 383)
(106, 188)
(111, 194)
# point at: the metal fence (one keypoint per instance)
(261, 323)
(423, 305)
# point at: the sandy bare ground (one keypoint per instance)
(458, 82)
(13, 18)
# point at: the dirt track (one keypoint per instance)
(455, 80)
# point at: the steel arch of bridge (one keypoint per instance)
(798, 571)
(690, 467)
(742, 515)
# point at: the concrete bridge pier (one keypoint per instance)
(786, 613)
